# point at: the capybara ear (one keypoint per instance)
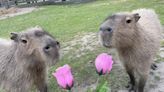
(137, 17)
(37, 26)
(14, 36)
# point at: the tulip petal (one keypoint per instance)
(69, 78)
(103, 63)
(60, 79)
(64, 76)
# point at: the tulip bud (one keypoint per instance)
(64, 77)
(103, 63)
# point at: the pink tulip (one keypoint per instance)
(103, 63)
(64, 76)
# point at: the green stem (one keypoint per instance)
(69, 90)
(97, 82)
(106, 77)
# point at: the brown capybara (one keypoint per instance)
(136, 36)
(24, 60)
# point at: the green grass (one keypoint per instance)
(66, 21)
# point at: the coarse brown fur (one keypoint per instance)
(24, 60)
(136, 36)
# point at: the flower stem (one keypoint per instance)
(97, 80)
(69, 90)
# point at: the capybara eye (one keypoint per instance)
(58, 44)
(128, 21)
(47, 48)
(24, 41)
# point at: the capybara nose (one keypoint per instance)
(109, 29)
(105, 29)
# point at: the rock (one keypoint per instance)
(161, 54)
(161, 49)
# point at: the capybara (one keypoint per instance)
(136, 36)
(24, 60)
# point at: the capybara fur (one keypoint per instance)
(136, 36)
(24, 60)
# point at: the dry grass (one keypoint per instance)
(4, 11)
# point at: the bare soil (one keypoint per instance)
(11, 12)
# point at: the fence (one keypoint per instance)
(10, 3)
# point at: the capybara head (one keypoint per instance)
(35, 44)
(118, 27)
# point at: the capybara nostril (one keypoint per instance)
(109, 29)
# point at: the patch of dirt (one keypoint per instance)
(156, 79)
(80, 44)
(4, 11)
(11, 12)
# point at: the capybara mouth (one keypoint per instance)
(107, 45)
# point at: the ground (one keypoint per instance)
(76, 27)
(11, 12)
